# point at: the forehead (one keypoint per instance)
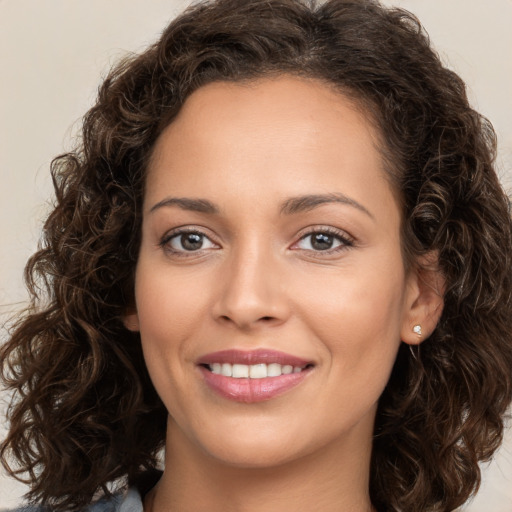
(274, 102)
(281, 134)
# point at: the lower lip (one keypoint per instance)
(252, 390)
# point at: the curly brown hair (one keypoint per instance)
(84, 412)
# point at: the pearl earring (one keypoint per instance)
(417, 329)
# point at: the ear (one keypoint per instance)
(424, 299)
(131, 320)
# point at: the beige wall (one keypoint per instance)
(52, 53)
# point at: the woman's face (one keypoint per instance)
(270, 240)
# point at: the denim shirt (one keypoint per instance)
(128, 501)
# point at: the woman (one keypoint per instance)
(283, 254)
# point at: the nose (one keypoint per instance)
(252, 293)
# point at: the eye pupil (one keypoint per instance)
(322, 241)
(191, 241)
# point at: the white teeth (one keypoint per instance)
(273, 370)
(253, 371)
(240, 371)
(287, 368)
(226, 370)
(258, 371)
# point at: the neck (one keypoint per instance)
(333, 479)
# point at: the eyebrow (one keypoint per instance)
(186, 203)
(309, 202)
(291, 206)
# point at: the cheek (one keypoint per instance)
(356, 318)
(353, 301)
(169, 305)
(170, 309)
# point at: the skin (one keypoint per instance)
(258, 282)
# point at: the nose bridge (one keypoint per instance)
(252, 292)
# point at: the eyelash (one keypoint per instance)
(346, 241)
(165, 242)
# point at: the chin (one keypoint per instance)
(264, 443)
(256, 443)
(255, 455)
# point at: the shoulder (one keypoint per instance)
(128, 501)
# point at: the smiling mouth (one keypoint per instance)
(253, 376)
(254, 371)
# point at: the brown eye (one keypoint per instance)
(188, 241)
(323, 241)
(191, 241)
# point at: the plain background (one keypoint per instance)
(53, 54)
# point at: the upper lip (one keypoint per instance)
(250, 357)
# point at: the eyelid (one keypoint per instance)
(347, 240)
(175, 232)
